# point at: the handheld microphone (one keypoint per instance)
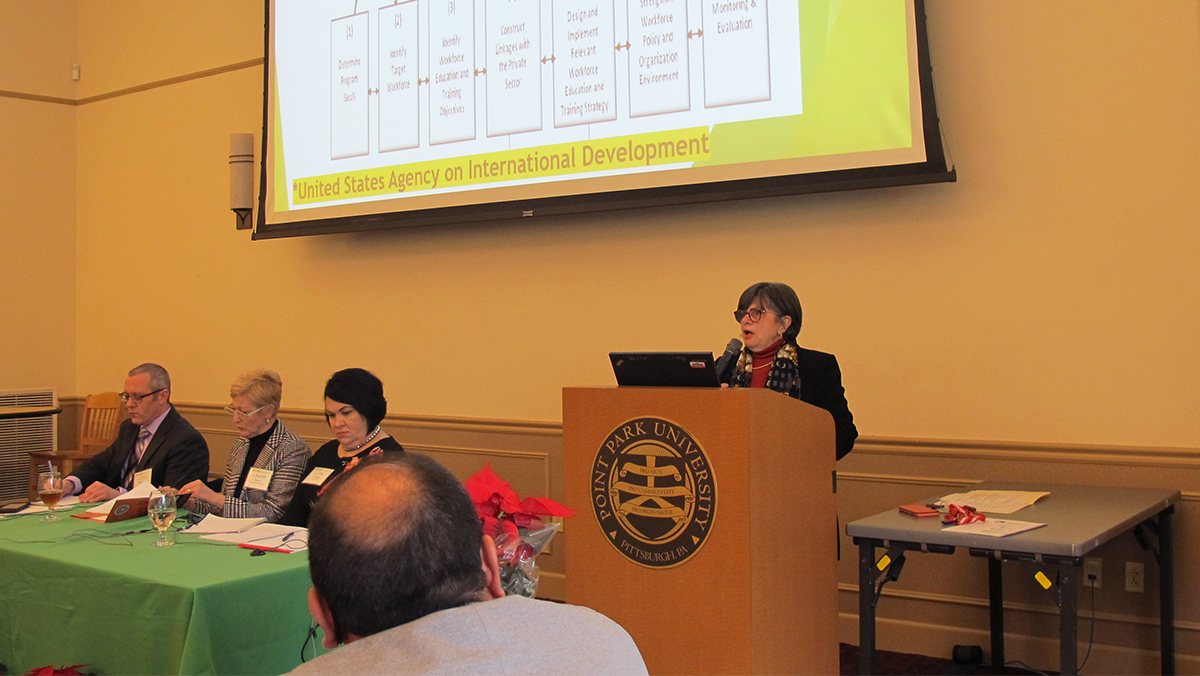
(727, 361)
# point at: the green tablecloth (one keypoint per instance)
(123, 606)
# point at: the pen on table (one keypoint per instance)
(286, 537)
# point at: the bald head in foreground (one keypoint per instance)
(405, 578)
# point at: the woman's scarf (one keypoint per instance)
(785, 371)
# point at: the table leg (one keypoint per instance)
(996, 606)
(1068, 619)
(866, 607)
(1166, 590)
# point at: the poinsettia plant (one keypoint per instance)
(51, 670)
(516, 525)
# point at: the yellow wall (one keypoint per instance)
(37, 210)
(1045, 296)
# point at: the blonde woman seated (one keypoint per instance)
(265, 463)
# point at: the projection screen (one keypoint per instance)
(425, 112)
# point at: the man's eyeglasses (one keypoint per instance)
(754, 313)
(125, 397)
(243, 414)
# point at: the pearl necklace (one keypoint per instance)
(366, 441)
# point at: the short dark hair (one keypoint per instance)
(779, 297)
(394, 539)
(362, 390)
(159, 378)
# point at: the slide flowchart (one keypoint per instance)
(436, 63)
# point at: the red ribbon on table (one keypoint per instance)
(962, 514)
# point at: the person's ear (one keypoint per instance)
(786, 324)
(491, 568)
(320, 612)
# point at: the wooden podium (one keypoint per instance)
(707, 526)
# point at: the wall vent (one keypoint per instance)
(20, 436)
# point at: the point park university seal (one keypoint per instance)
(653, 492)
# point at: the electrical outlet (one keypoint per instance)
(1135, 577)
(1091, 569)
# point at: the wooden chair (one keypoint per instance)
(101, 417)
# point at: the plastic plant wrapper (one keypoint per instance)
(517, 527)
(518, 558)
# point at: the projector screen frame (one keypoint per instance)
(935, 169)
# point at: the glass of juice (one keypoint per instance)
(50, 490)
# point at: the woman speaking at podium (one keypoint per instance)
(770, 314)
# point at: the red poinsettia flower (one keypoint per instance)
(502, 511)
(50, 670)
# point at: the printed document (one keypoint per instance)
(994, 502)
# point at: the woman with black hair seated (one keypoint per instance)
(770, 314)
(354, 407)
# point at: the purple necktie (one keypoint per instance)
(131, 462)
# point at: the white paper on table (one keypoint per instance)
(142, 490)
(996, 528)
(995, 502)
(36, 507)
(211, 523)
(267, 536)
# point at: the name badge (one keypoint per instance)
(141, 477)
(259, 479)
(318, 476)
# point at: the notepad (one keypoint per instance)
(211, 523)
(269, 536)
(918, 510)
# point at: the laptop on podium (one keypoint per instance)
(664, 369)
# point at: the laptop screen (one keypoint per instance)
(664, 369)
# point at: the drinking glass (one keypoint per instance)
(162, 513)
(50, 490)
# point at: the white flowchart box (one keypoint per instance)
(349, 118)
(737, 63)
(514, 68)
(585, 62)
(399, 98)
(451, 71)
(659, 80)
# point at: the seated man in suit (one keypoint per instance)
(155, 439)
(405, 577)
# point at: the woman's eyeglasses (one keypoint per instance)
(754, 313)
(243, 414)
